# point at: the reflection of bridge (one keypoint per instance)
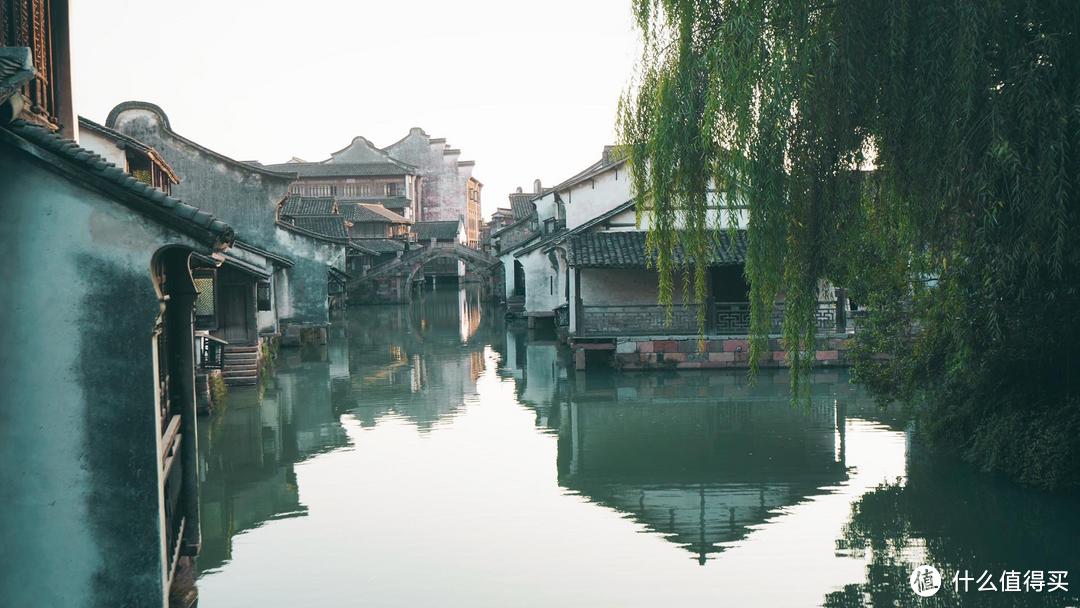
(392, 281)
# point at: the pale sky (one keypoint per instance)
(526, 89)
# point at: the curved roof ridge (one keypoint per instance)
(155, 109)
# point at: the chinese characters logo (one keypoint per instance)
(925, 580)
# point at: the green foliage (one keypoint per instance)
(219, 391)
(921, 154)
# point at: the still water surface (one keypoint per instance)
(434, 456)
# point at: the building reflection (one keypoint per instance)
(698, 458)
(420, 361)
(250, 445)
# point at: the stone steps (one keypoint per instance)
(241, 365)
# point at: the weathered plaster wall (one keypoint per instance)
(507, 274)
(247, 200)
(242, 197)
(444, 189)
(618, 286)
(78, 421)
(543, 282)
(306, 289)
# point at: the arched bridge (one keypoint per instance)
(392, 281)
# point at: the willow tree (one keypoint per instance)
(921, 154)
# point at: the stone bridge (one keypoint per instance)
(393, 281)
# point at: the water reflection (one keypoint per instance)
(419, 361)
(250, 446)
(432, 455)
(699, 469)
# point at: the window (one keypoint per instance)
(320, 190)
(262, 295)
(205, 305)
(356, 190)
(393, 190)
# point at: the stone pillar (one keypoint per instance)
(180, 326)
(579, 359)
(575, 300)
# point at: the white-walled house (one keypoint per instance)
(579, 255)
(535, 273)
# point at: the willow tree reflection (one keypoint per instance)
(948, 515)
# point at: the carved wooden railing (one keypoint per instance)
(172, 476)
(638, 319)
(734, 318)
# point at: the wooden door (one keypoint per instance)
(236, 314)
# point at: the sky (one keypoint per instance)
(526, 89)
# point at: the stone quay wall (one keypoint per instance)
(665, 352)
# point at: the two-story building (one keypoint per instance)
(450, 191)
(578, 255)
(358, 173)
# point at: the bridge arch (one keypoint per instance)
(470, 265)
(392, 281)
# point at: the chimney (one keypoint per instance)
(519, 189)
(606, 157)
(537, 187)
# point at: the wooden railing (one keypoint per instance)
(173, 481)
(638, 319)
(734, 318)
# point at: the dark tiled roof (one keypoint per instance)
(327, 226)
(143, 197)
(521, 204)
(358, 248)
(441, 231)
(627, 250)
(296, 206)
(390, 202)
(276, 258)
(341, 169)
(16, 68)
(370, 213)
(545, 240)
(381, 245)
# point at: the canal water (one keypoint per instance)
(432, 455)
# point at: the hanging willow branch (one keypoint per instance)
(921, 154)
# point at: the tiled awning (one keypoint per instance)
(627, 250)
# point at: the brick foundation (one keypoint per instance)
(715, 353)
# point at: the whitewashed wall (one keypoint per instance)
(616, 286)
(596, 196)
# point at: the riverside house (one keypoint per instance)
(579, 257)
(99, 413)
(235, 293)
(280, 282)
